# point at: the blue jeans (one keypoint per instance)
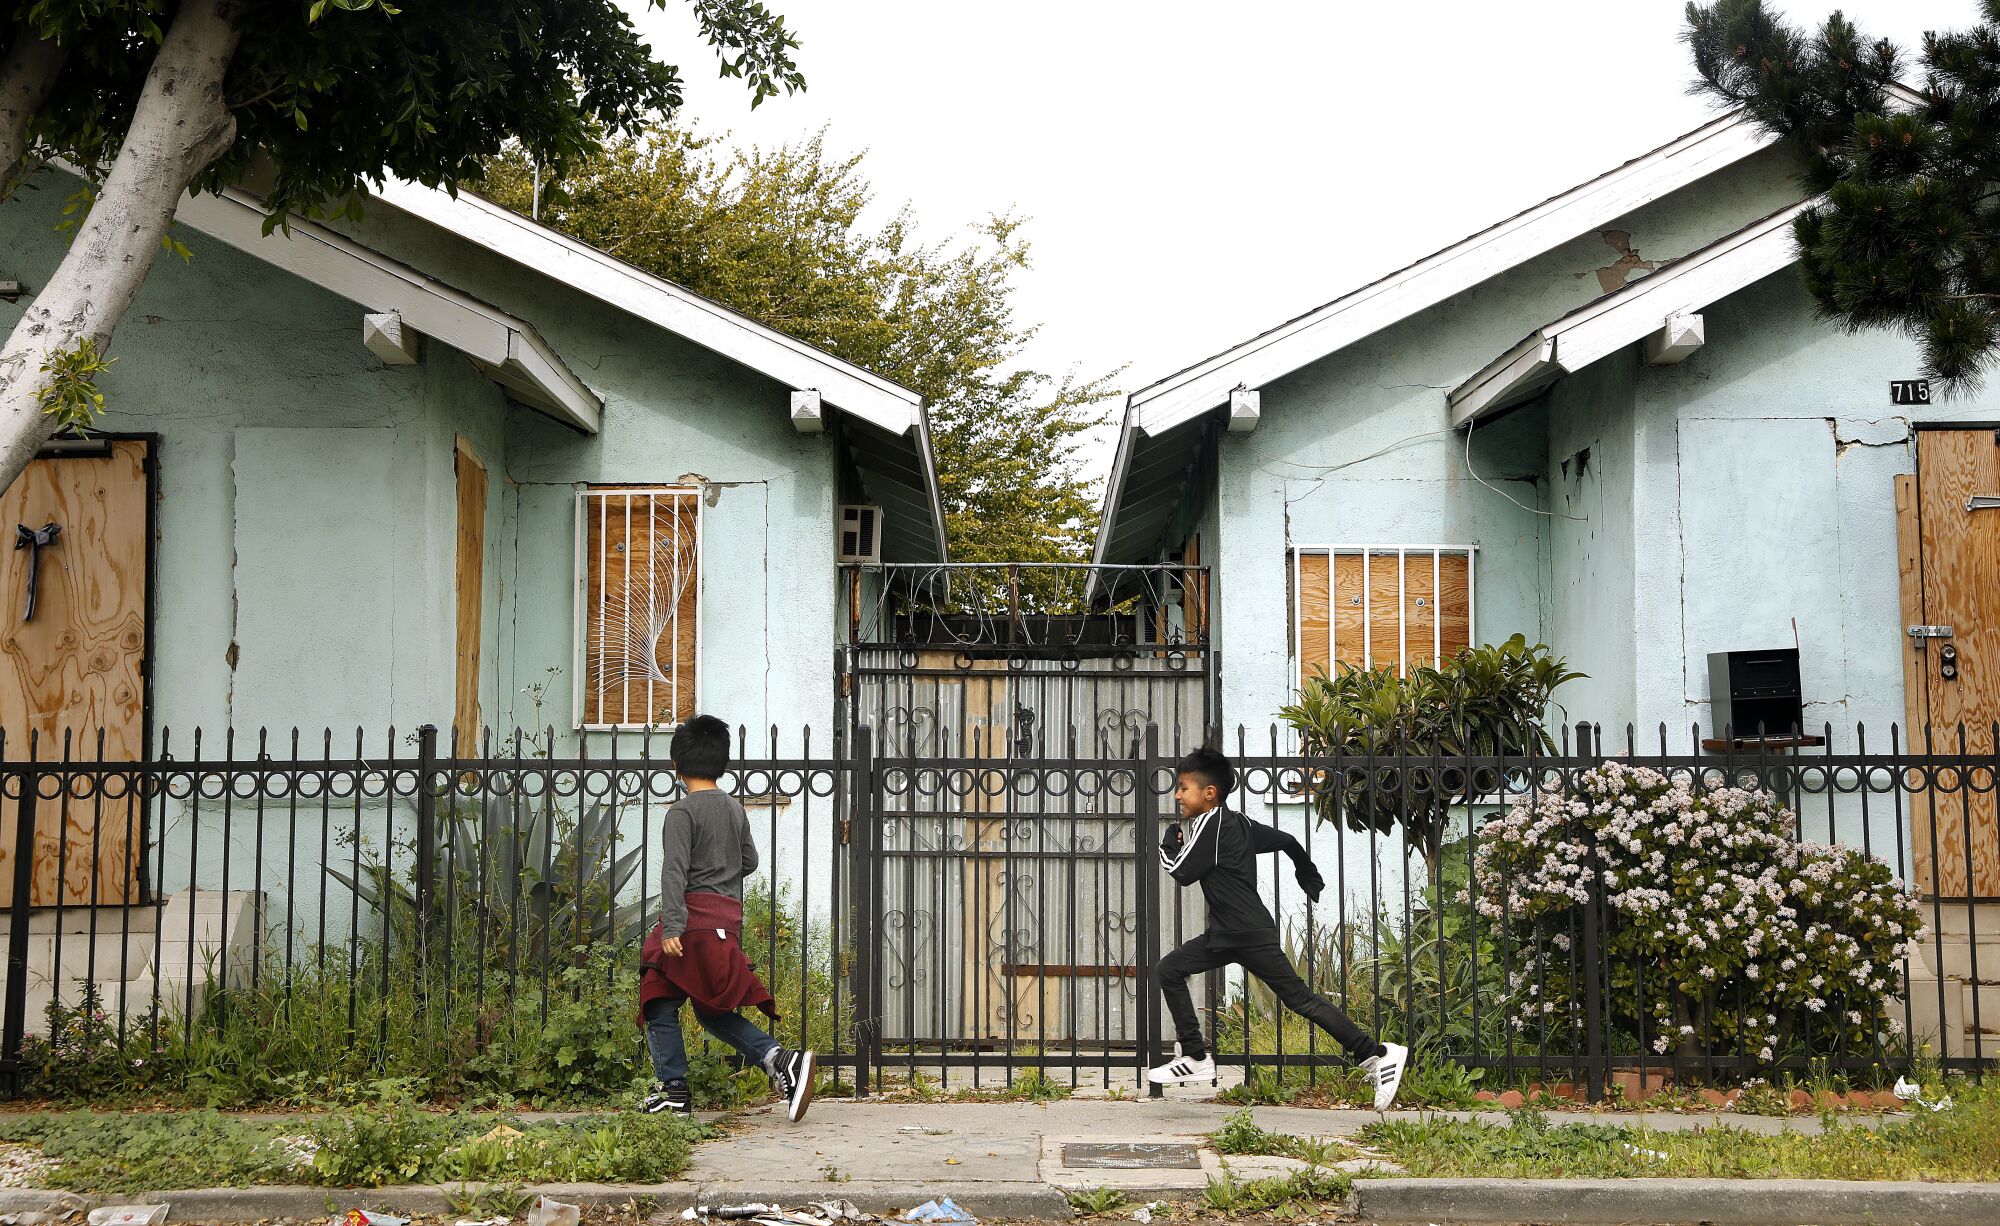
(663, 1037)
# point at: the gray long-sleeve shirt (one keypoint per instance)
(705, 849)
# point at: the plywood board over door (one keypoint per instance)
(1952, 578)
(469, 585)
(74, 672)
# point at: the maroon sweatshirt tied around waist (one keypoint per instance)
(712, 970)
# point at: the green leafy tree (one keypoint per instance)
(149, 98)
(1904, 235)
(1485, 702)
(779, 234)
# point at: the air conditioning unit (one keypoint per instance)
(861, 535)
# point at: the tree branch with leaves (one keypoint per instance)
(782, 236)
(149, 99)
(1904, 236)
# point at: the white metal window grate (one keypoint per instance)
(638, 605)
(1380, 606)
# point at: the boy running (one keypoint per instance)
(695, 953)
(1220, 850)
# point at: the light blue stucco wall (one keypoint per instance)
(307, 520)
(1356, 449)
(306, 514)
(1748, 488)
(672, 410)
(307, 528)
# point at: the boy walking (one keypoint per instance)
(695, 953)
(1219, 850)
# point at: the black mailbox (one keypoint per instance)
(1756, 693)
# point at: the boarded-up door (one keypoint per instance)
(469, 584)
(1949, 514)
(76, 666)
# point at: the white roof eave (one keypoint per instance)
(1437, 277)
(507, 348)
(785, 359)
(1628, 315)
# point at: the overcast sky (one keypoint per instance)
(1196, 173)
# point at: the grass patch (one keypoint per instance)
(1293, 1195)
(379, 1143)
(1240, 1134)
(1961, 1142)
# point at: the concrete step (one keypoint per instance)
(198, 938)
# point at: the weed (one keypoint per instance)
(1261, 1088)
(1097, 1201)
(487, 1200)
(1442, 1084)
(833, 1174)
(1240, 1134)
(1283, 1196)
(1762, 1099)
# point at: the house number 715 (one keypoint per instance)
(1909, 391)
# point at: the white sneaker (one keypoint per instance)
(1182, 1071)
(1385, 1073)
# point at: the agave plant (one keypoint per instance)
(514, 875)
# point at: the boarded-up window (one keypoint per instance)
(638, 621)
(1380, 607)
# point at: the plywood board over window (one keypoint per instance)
(1380, 606)
(639, 608)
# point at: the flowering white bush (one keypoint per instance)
(1723, 933)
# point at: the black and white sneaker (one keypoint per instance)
(668, 1097)
(1183, 1071)
(1385, 1073)
(791, 1074)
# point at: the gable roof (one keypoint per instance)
(786, 359)
(1159, 439)
(1353, 316)
(504, 348)
(889, 447)
(1627, 315)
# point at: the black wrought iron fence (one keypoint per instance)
(278, 914)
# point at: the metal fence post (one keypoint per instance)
(15, 1026)
(1595, 1060)
(1146, 838)
(863, 833)
(427, 746)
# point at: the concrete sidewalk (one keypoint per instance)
(1021, 1160)
(959, 1145)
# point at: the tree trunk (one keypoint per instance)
(26, 76)
(179, 126)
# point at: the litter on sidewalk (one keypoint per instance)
(939, 1212)
(128, 1215)
(362, 1217)
(553, 1213)
(819, 1213)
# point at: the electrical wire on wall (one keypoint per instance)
(1470, 472)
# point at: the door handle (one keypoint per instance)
(34, 541)
(1983, 502)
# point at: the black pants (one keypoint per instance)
(1269, 963)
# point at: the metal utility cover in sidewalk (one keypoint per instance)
(1138, 1155)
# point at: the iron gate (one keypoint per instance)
(1012, 871)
